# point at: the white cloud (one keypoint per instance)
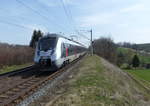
(135, 8)
(53, 3)
(123, 25)
(69, 2)
(50, 3)
(96, 19)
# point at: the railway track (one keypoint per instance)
(17, 71)
(25, 84)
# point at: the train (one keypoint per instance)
(55, 51)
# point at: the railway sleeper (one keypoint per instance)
(31, 82)
(26, 84)
(10, 93)
(4, 96)
(21, 87)
(16, 89)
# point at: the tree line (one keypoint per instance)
(106, 48)
(128, 45)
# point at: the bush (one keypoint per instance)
(15, 54)
(125, 66)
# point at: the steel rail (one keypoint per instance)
(17, 71)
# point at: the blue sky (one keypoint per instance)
(122, 20)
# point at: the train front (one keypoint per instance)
(45, 51)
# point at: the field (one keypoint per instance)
(13, 67)
(142, 76)
(129, 53)
(141, 73)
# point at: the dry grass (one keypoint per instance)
(100, 83)
(15, 55)
(14, 67)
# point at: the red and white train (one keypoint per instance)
(54, 51)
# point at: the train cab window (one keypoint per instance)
(47, 43)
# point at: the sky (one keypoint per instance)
(122, 20)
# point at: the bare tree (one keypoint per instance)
(106, 48)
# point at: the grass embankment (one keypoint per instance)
(99, 83)
(142, 75)
(13, 67)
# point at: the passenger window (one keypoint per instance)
(63, 50)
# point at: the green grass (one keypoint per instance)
(129, 53)
(14, 67)
(141, 73)
(145, 59)
(125, 50)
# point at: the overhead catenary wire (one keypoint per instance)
(14, 24)
(65, 10)
(70, 19)
(27, 6)
(68, 14)
(47, 19)
(41, 15)
(82, 35)
(47, 10)
(14, 17)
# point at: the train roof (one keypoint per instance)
(58, 36)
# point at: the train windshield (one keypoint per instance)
(47, 43)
